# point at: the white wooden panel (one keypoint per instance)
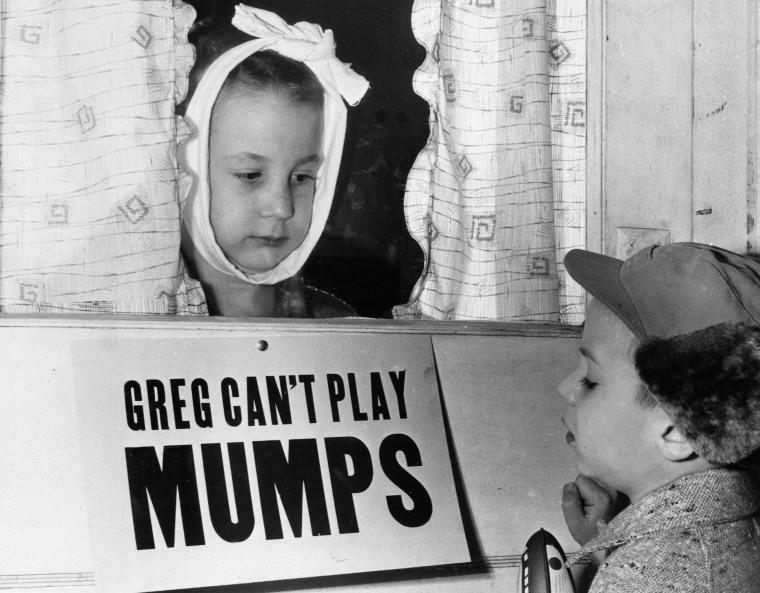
(648, 106)
(721, 114)
(595, 121)
(753, 204)
(679, 134)
(505, 421)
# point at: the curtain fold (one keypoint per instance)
(497, 196)
(89, 211)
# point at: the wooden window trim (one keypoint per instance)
(291, 326)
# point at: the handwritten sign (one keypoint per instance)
(230, 460)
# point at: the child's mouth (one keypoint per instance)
(270, 241)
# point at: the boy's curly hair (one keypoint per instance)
(263, 71)
(708, 381)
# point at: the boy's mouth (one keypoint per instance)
(569, 437)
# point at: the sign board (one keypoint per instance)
(231, 460)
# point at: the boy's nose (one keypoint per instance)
(568, 388)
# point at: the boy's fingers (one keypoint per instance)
(575, 516)
(572, 505)
(592, 493)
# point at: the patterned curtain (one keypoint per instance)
(497, 196)
(89, 215)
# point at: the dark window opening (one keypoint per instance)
(366, 255)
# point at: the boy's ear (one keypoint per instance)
(673, 445)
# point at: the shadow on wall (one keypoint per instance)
(366, 255)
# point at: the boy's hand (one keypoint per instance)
(585, 503)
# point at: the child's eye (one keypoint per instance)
(588, 383)
(303, 177)
(248, 175)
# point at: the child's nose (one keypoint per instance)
(277, 201)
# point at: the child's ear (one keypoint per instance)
(673, 445)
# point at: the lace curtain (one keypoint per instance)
(89, 218)
(497, 196)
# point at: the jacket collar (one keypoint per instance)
(689, 501)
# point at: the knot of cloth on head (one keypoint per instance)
(304, 42)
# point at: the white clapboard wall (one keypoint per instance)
(672, 127)
(497, 386)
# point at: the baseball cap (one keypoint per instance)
(668, 290)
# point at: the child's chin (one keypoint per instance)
(258, 266)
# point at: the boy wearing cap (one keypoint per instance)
(665, 408)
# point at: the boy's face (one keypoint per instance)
(614, 438)
(264, 153)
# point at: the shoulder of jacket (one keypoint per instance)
(668, 561)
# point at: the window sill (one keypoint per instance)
(349, 325)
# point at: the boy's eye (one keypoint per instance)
(588, 383)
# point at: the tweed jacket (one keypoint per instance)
(700, 533)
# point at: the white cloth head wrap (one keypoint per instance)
(314, 47)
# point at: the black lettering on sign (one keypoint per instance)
(358, 414)
(292, 477)
(422, 506)
(398, 380)
(161, 485)
(337, 393)
(344, 486)
(279, 401)
(307, 380)
(255, 409)
(157, 404)
(216, 487)
(202, 410)
(232, 415)
(379, 403)
(135, 414)
(178, 403)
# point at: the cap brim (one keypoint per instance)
(600, 276)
